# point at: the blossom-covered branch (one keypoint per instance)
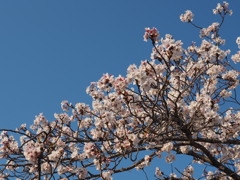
(181, 101)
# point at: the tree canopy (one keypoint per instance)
(183, 101)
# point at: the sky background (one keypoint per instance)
(50, 50)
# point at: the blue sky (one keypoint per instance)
(50, 50)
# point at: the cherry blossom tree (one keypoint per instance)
(181, 102)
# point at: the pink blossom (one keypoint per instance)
(187, 17)
(222, 8)
(151, 34)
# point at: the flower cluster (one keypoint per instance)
(32, 152)
(238, 42)
(211, 29)
(187, 17)
(222, 9)
(151, 34)
(168, 49)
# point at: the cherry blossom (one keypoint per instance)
(151, 34)
(222, 8)
(183, 101)
(238, 42)
(187, 17)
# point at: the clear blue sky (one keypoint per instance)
(50, 50)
